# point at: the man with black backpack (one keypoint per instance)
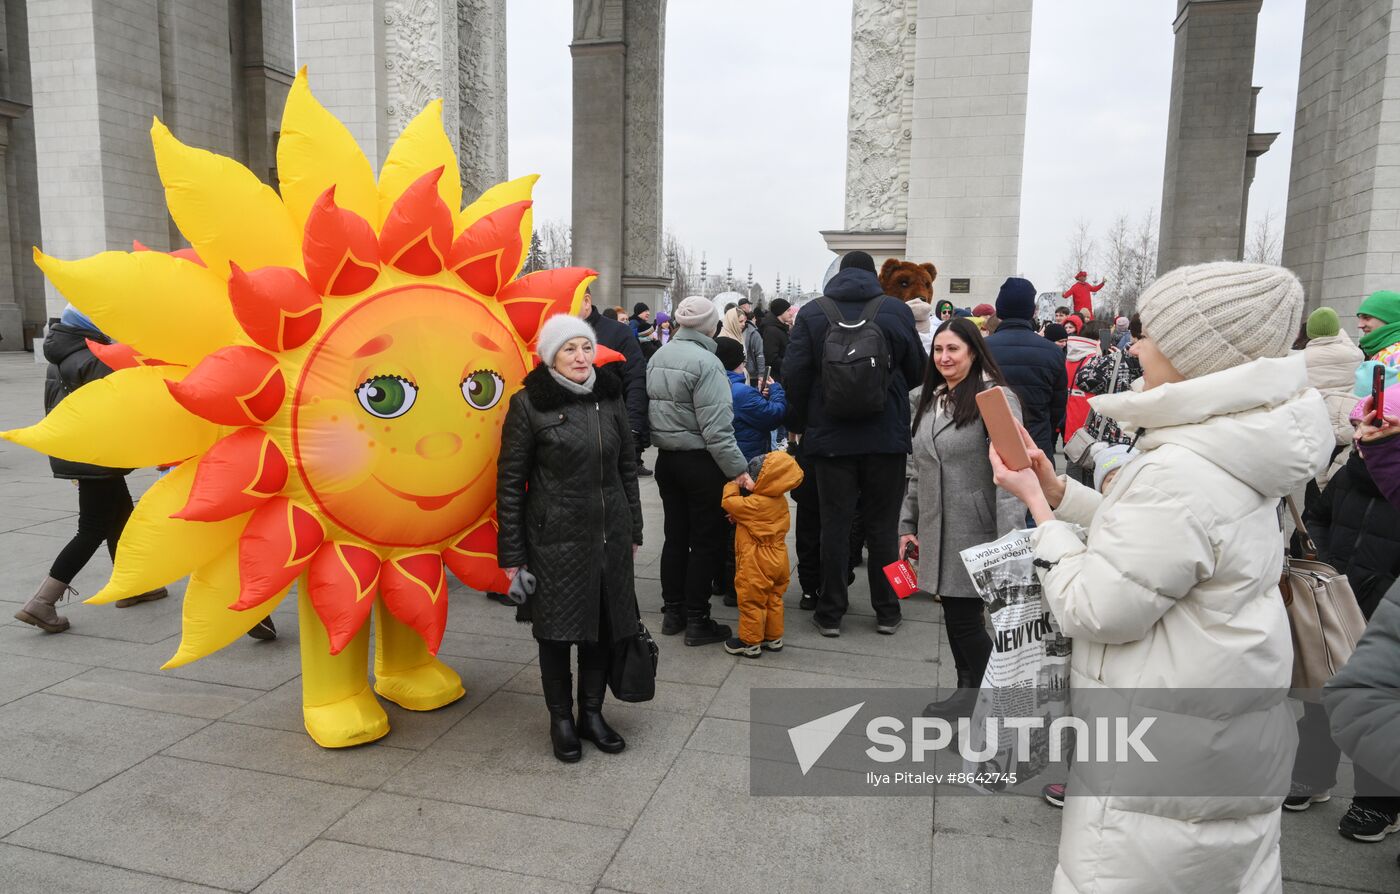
(852, 357)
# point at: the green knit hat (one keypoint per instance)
(1383, 305)
(1323, 322)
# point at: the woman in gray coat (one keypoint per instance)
(950, 503)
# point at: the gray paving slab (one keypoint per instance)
(145, 622)
(23, 674)
(21, 802)
(156, 691)
(75, 744)
(246, 662)
(352, 869)
(73, 646)
(496, 839)
(1313, 852)
(733, 699)
(27, 871)
(718, 735)
(414, 730)
(499, 756)
(291, 754)
(963, 863)
(701, 824)
(193, 821)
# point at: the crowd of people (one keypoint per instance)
(1183, 429)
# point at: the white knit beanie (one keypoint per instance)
(699, 313)
(557, 331)
(1210, 317)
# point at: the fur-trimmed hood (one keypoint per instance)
(547, 394)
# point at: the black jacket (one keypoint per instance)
(1357, 532)
(71, 366)
(1034, 367)
(621, 338)
(775, 342)
(568, 506)
(887, 432)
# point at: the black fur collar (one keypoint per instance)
(547, 394)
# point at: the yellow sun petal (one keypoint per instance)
(164, 307)
(226, 212)
(208, 623)
(127, 420)
(316, 152)
(422, 147)
(156, 550)
(521, 189)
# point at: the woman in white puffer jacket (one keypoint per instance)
(1177, 585)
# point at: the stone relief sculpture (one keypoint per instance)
(481, 86)
(876, 136)
(588, 19)
(419, 46)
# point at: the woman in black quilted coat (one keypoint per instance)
(570, 515)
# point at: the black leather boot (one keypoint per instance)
(672, 619)
(960, 703)
(701, 629)
(559, 697)
(592, 688)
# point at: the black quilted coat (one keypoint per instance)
(568, 505)
(71, 366)
(1357, 532)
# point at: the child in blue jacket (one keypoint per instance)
(756, 414)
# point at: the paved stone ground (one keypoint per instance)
(115, 776)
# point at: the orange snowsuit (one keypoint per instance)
(760, 547)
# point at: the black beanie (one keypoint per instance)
(779, 306)
(859, 260)
(1016, 300)
(1055, 332)
(639, 308)
(729, 352)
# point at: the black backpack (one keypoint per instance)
(856, 366)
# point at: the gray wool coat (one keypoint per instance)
(950, 502)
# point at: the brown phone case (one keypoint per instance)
(1001, 426)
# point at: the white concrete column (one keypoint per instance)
(265, 65)
(1208, 126)
(96, 84)
(1342, 234)
(643, 279)
(342, 45)
(481, 77)
(972, 64)
(599, 171)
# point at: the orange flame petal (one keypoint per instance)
(276, 306)
(276, 545)
(472, 559)
(417, 234)
(414, 589)
(535, 297)
(237, 385)
(338, 249)
(238, 474)
(342, 580)
(186, 254)
(489, 251)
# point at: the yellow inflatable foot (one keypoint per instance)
(426, 687)
(348, 722)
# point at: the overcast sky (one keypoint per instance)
(755, 121)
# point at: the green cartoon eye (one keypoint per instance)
(483, 389)
(387, 397)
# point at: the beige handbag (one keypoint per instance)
(1323, 614)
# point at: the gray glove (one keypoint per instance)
(522, 588)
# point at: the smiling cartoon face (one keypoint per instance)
(397, 417)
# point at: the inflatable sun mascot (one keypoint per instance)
(328, 372)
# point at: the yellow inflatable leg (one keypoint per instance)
(337, 705)
(405, 672)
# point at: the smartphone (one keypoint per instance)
(1378, 391)
(911, 552)
(1002, 427)
(764, 382)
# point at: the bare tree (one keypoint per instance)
(1080, 251)
(1265, 243)
(1131, 261)
(556, 243)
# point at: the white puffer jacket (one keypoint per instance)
(1177, 588)
(1332, 362)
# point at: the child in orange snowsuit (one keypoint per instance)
(760, 551)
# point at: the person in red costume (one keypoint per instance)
(1082, 293)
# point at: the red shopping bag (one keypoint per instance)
(902, 578)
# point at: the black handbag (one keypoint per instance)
(632, 675)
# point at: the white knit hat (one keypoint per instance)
(699, 313)
(557, 331)
(1210, 317)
